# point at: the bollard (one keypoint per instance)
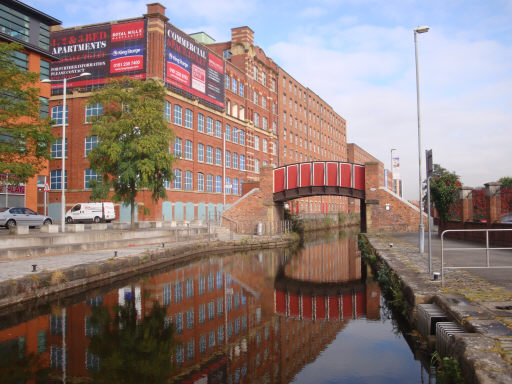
(115, 253)
(34, 267)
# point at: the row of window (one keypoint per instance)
(188, 154)
(182, 180)
(207, 340)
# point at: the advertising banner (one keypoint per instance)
(105, 51)
(396, 168)
(192, 68)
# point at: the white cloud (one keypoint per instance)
(367, 75)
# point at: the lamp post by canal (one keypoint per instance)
(391, 169)
(421, 245)
(64, 121)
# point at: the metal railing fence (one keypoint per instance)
(487, 249)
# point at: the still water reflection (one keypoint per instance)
(270, 316)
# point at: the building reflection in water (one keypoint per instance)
(253, 315)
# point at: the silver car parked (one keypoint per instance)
(13, 216)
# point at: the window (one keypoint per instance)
(228, 159)
(178, 110)
(167, 111)
(220, 307)
(218, 129)
(202, 344)
(43, 107)
(235, 186)
(265, 145)
(56, 179)
(256, 119)
(190, 350)
(178, 323)
(90, 143)
(264, 102)
(57, 114)
(177, 147)
(274, 127)
(188, 150)
(200, 122)
(180, 354)
(256, 166)
(202, 314)
(44, 68)
(209, 183)
(228, 185)
(218, 156)
(211, 339)
(200, 182)
(178, 292)
(188, 118)
(220, 334)
(227, 134)
(263, 78)
(209, 126)
(167, 294)
(20, 59)
(273, 84)
(211, 310)
(14, 23)
(56, 150)
(93, 110)
(235, 160)
(242, 137)
(190, 318)
(200, 152)
(235, 135)
(89, 175)
(226, 82)
(234, 84)
(200, 284)
(265, 123)
(176, 183)
(241, 89)
(218, 184)
(256, 143)
(209, 154)
(242, 162)
(188, 180)
(255, 73)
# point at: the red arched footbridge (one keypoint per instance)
(315, 178)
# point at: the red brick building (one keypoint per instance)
(248, 113)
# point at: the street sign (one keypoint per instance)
(429, 162)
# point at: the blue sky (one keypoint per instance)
(358, 55)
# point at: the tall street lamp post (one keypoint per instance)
(421, 227)
(64, 121)
(391, 170)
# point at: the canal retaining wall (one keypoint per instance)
(483, 349)
(39, 287)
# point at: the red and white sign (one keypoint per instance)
(127, 31)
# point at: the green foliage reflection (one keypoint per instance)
(131, 350)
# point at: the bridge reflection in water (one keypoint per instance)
(237, 318)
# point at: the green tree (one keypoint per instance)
(134, 139)
(131, 350)
(25, 137)
(506, 182)
(444, 187)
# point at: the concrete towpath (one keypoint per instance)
(21, 267)
(479, 300)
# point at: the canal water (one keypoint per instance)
(313, 315)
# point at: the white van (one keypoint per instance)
(95, 212)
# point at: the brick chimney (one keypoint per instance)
(244, 35)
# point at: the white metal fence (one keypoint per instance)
(487, 249)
